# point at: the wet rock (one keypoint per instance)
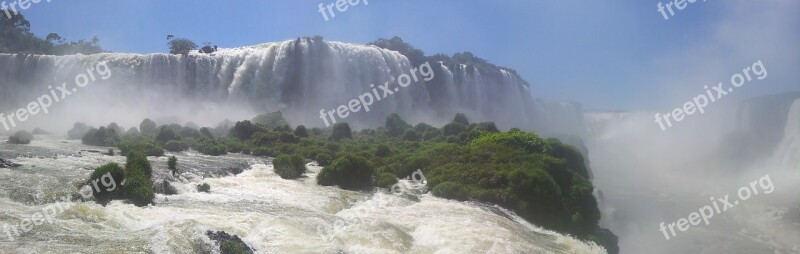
(608, 240)
(8, 164)
(229, 244)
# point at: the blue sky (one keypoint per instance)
(605, 54)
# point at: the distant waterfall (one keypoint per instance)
(787, 155)
(298, 77)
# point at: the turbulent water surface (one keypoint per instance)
(270, 214)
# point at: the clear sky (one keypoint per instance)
(605, 54)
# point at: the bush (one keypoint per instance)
(411, 135)
(451, 190)
(209, 147)
(453, 129)
(144, 146)
(172, 163)
(395, 126)
(101, 137)
(324, 159)
(349, 172)
(20, 138)
(204, 188)
(138, 184)
(301, 131)
(176, 146)
(461, 119)
(289, 166)
(139, 188)
(386, 180)
(529, 142)
(264, 138)
(271, 120)
(137, 161)
(244, 130)
(107, 193)
(78, 131)
(341, 131)
(148, 127)
(167, 134)
(383, 151)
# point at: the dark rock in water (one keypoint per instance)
(229, 244)
(8, 164)
(165, 188)
(608, 240)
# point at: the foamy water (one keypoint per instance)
(270, 214)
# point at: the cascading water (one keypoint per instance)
(269, 213)
(298, 77)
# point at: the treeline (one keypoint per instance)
(16, 37)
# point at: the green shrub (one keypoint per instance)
(341, 131)
(301, 131)
(137, 161)
(101, 137)
(383, 151)
(453, 129)
(451, 190)
(530, 142)
(209, 147)
(176, 146)
(172, 163)
(109, 174)
(263, 151)
(386, 180)
(148, 127)
(265, 138)
(461, 119)
(395, 126)
(289, 166)
(324, 159)
(349, 172)
(146, 147)
(244, 130)
(139, 189)
(271, 120)
(204, 188)
(167, 134)
(411, 135)
(20, 138)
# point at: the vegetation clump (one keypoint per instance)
(350, 172)
(204, 187)
(289, 166)
(20, 138)
(101, 137)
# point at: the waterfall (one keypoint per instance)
(299, 77)
(787, 155)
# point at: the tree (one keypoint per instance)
(181, 46)
(147, 126)
(301, 131)
(461, 119)
(395, 126)
(341, 131)
(51, 37)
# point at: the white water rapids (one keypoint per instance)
(270, 214)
